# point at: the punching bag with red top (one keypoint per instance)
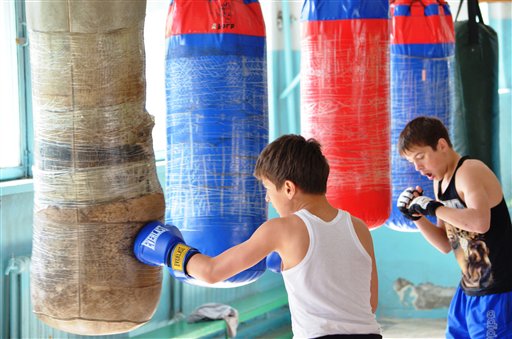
(422, 64)
(217, 124)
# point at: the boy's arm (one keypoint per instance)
(471, 185)
(163, 245)
(236, 259)
(366, 240)
(435, 235)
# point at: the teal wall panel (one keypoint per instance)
(506, 145)
(409, 256)
(194, 296)
(503, 27)
(278, 108)
(15, 240)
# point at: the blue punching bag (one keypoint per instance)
(422, 59)
(217, 124)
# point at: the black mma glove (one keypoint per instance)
(424, 205)
(404, 200)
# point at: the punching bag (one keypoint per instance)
(476, 125)
(95, 182)
(217, 124)
(422, 61)
(344, 100)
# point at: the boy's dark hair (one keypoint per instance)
(422, 131)
(292, 157)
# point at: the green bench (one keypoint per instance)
(248, 309)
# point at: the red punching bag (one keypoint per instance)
(344, 94)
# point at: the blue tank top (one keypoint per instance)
(485, 259)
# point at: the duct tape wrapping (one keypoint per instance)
(422, 84)
(217, 124)
(344, 101)
(94, 169)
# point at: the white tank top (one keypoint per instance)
(329, 290)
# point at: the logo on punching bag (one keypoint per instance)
(224, 16)
(223, 26)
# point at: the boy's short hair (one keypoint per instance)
(422, 131)
(292, 157)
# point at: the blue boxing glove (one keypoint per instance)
(424, 205)
(161, 245)
(274, 262)
(404, 201)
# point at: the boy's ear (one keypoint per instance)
(442, 144)
(289, 188)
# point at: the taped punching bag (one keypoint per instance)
(422, 61)
(95, 182)
(217, 124)
(476, 123)
(344, 100)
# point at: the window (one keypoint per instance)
(15, 93)
(154, 40)
(11, 115)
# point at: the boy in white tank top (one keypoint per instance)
(328, 261)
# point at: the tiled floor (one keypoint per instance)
(413, 328)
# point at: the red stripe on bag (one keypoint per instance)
(215, 17)
(420, 29)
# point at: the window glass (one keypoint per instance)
(154, 40)
(9, 98)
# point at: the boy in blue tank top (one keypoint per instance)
(328, 262)
(472, 220)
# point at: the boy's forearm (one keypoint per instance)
(435, 235)
(468, 219)
(223, 266)
(201, 267)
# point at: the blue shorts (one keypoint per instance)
(480, 317)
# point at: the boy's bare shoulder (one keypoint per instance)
(474, 167)
(282, 222)
(358, 223)
(475, 171)
(363, 233)
(289, 221)
(285, 232)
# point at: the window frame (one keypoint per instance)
(24, 170)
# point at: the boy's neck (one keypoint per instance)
(452, 165)
(318, 205)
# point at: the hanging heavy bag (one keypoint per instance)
(217, 124)
(476, 120)
(95, 181)
(344, 101)
(422, 59)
